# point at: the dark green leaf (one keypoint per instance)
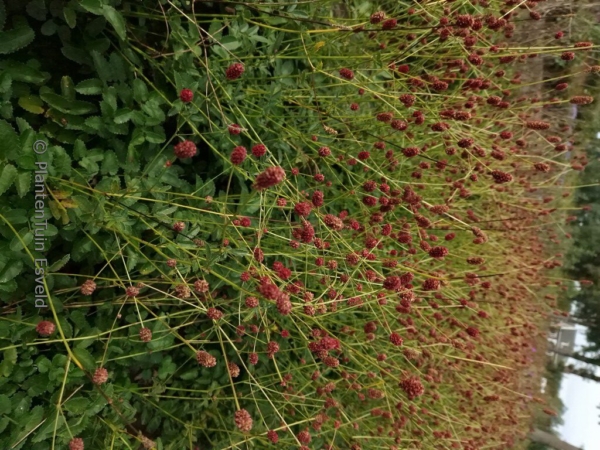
(93, 86)
(15, 39)
(7, 176)
(9, 140)
(23, 183)
(76, 107)
(115, 19)
(70, 17)
(85, 358)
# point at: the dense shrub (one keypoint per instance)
(311, 224)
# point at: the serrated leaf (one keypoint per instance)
(9, 140)
(140, 90)
(23, 183)
(32, 104)
(115, 19)
(22, 72)
(11, 271)
(34, 417)
(5, 82)
(8, 362)
(77, 405)
(59, 264)
(102, 67)
(93, 6)
(15, 39)
(122, 115)
(110, 164)
(85, 358)
(75, 107)
(8, 175)
(93, 86)
(22, 240)
(155, 137)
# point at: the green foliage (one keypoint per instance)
(90, 116)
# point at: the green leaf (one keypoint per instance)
(32, 104)
(230, 43)
(75, 107)
(59, 264)
(5, 81)
(140, 91)
(67, 89)
(122, 115)
(93, 6)
(49, 28)
(11, 271)
(77, 405)
(101, 66)
(8, 363)
(37, 9)
(15, 39)
(23, 183)
(155, 137)
(4, 404)
(22, 240)
(115, 19)
(23, 72)
(70, 17)
(93, 86)
(8, 175)
(85, 358)
(110, 164)
(9, 140)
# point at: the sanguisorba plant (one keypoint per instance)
(274, 225)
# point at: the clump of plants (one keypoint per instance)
(274, 225)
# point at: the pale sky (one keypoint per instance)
(581, 399)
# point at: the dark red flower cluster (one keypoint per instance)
(271, 176)
(238, 155)
(234, 71)
(346, 73)
(185, 149)
(412, 386)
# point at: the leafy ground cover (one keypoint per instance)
(278, 225)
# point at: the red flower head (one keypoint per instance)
(185, 149)
(186, 95)
(396, 339)
(259, 150)
(205, 359)
(234, 71)
(238, 155)
(234, 129)
(270, 177)
(346, 73)
(100, 376)
(243, 420)
(45, 328)
(413, 387)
